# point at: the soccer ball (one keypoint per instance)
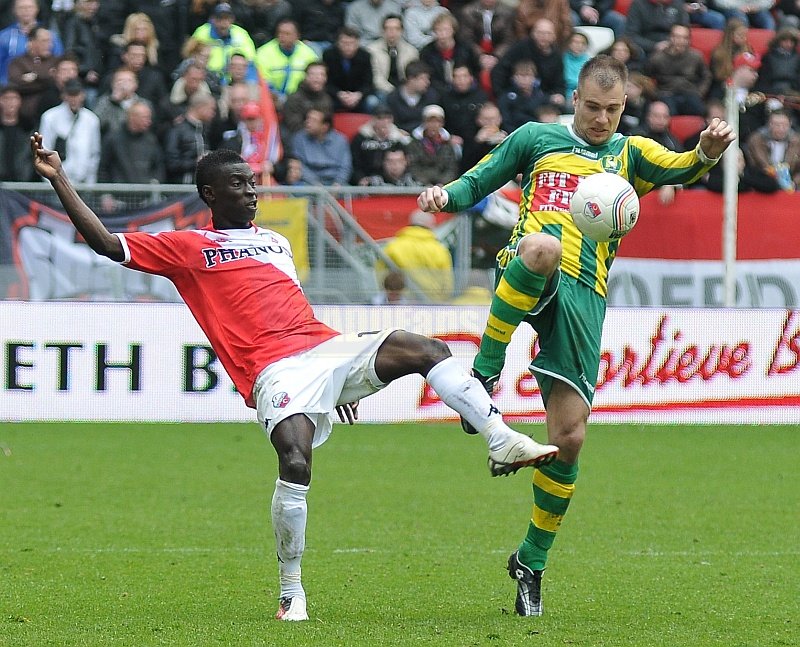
(604, 207)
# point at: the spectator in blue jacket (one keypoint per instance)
(323, 152)
(14, 38)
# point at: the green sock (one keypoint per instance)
(553, 486)
(516, 294)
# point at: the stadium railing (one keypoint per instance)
(337, 249)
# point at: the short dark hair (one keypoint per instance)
(209, 167)
(392, 16)
(605, 70)
(283, 21)
(417, 68)
(350, 32)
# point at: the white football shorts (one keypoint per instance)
(314, 382)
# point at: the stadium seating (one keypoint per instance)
(705, 40)
(759, 39)
(348, 123)
(683, 126)
(622, 6)
(600, 38)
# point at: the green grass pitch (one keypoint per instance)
(142, 535)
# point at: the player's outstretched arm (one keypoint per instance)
(717, 136)
(48, 164)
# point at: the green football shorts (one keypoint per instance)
(569, 321)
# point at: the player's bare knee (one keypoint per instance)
(569, 439)
(294, 467)
(540, 253)
(438, 350)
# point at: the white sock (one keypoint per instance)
(465, 394)
(289, 514)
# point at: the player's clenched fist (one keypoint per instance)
(432, 199)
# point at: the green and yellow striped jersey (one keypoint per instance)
(552, 159)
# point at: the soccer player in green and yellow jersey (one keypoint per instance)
(554, 278)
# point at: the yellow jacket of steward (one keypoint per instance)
(424, 259)
(283, 72)
(238, 41)
(552, 160)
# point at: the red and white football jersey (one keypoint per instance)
(242, 288)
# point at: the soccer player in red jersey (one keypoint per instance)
(241, 285)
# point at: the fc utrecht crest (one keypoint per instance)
(280, 400)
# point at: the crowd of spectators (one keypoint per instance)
(136, 92)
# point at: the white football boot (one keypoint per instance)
(520, 451)
(293, 608)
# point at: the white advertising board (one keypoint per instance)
(151, 362)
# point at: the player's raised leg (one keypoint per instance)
(292, 440)
(517, 293)
(404, 353)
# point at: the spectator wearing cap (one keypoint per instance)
(73, 131)
(680, 73)
(32, 73)
(349, 73)
(311, 93)
(372, 141)
(224, 37)
(282, 61)
(407, 101)
(319, 21)
(14, 38)
(323, 152)
(752, 115)
(15, 159)
(251, 142)
(417, 251)
(366, 16)
(390, 54)
(433, 158)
